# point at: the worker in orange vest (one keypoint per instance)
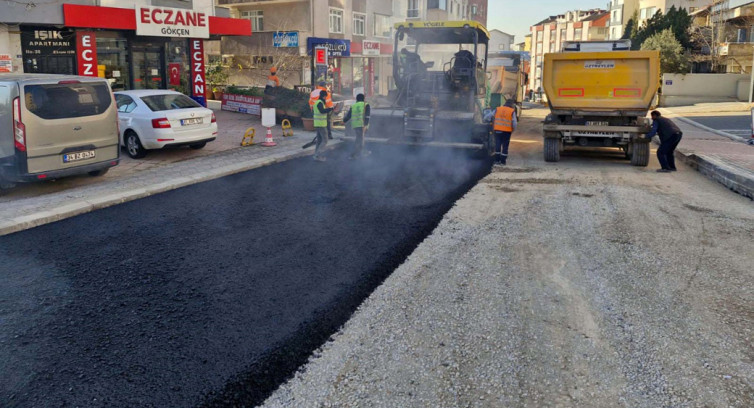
(314, 96)
(272, 79)
(504, 123)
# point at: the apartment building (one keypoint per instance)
(135, 44)
(448, 10)
(478, 11)
(648, 8)
(500, 41)
(733, 25)
(548, 36)
(620, 12)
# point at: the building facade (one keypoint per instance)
(549, 35)
(137, 44)
(500, 41)
(733, 33)
(620, 12)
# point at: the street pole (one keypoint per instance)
(751, 83)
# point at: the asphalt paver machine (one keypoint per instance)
(439, 70)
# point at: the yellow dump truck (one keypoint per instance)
(599, 95)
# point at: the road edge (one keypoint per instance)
(734, 179)
(40, 218)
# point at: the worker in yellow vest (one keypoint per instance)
(328, 103)
(321, 111)
(358, 115)
(505, 123)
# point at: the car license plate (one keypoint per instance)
(192, 121)
(72, 157)
(597, 123)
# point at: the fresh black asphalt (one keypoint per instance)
(213, 294)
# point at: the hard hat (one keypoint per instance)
(273, 70)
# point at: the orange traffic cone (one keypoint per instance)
(268, 142)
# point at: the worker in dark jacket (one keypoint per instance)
(359, 117)
(670, 135)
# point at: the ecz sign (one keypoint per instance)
(198, 79)
(86, 53)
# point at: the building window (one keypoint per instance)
(540, 34)
(359, 24)
(256, 17)
(382, 26)
(336, 20)
(413, 9)
(577, 34)
(473, 10)
(552, 47)
(437, 4)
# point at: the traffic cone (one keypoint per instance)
(268, 142)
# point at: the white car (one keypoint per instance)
(154, 119)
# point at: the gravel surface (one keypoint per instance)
(586, 283)
(215, 293)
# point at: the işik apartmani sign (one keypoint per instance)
(171, 22)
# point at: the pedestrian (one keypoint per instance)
(359, 117)
(670, 135)
(505, 122)
(320, 124)
(328, 104)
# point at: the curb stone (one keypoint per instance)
(737, 180)
(703, 127)
(42, 217)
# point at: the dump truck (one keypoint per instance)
(508, 79)
(599, 94)
(439, 70)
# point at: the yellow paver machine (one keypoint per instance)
(440, 86)
(599, 95)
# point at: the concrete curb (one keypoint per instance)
(703, 127)
(737, 180)
(28, 221)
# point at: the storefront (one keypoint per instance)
(139, 48)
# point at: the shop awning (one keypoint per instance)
(115, 18)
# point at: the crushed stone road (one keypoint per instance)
(211, 294)
(584, 283)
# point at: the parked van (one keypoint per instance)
(53, 126)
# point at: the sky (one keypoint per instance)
(517, 16)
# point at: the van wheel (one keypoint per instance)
(98, 173)
(197, 146)
(133, 146)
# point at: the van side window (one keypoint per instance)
(125, 103)
(67, 100)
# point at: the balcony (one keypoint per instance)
(412, 13)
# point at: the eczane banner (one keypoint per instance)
(171, 22)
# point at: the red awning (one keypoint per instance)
(115, 18)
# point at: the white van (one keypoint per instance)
(54, 126)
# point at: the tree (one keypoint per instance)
(676, 20)
(673, 59)
(629, 31)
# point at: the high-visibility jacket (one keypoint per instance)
(320, 119)
(358, 110)
(504, 119)
(273, 80)
(315, 95)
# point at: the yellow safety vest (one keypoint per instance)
(357, 114)
(320, 119)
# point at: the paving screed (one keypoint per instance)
(212, 294)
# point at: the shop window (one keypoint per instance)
(256, 17)
(382, 26)
(437, 4)
(336, 20)
(359, 24)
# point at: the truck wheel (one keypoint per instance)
(639, 154)
(552, 149)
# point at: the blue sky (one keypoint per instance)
(516, 16)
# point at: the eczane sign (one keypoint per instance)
(171, 22)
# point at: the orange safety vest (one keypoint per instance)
(504, 119)
(315, 95)
(273, 80)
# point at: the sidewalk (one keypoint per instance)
(137, 179)
(725, 159)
